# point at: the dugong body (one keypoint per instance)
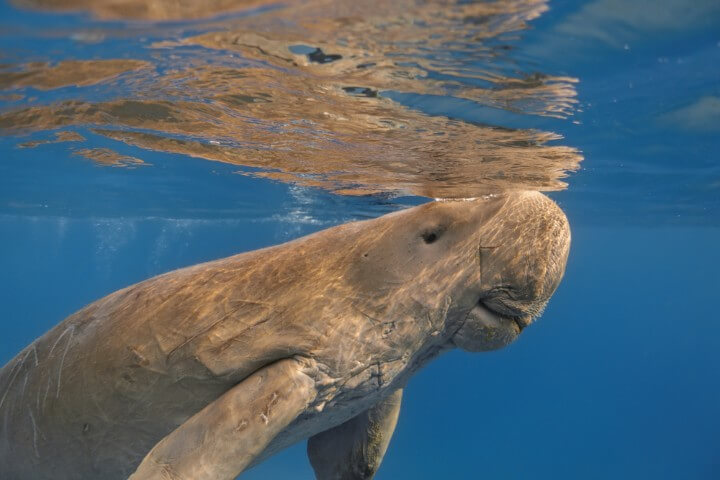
(204, 371)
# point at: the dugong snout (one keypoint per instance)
(522, 255)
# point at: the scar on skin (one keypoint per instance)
(35, 432)
(16, 369)
(62, 360)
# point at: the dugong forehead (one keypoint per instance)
(512, 220)
(430, 246)
(515, 238)
(500, 216)
(454, 217)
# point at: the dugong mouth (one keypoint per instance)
(504, 318)
(490, 325)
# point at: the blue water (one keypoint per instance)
(619, 379)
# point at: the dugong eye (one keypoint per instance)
(432, 234)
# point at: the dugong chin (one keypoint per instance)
(205, 371)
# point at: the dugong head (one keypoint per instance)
(483, 269)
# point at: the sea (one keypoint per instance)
(141, 136)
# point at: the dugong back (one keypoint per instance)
(92, 396)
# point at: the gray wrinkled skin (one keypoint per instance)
(205, 371)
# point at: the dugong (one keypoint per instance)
(202, 372)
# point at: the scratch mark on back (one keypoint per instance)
(16, 369)
(62, 360)
(57, 340)
(34, 425)
(34, 349)
(22, 394)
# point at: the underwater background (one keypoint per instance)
(137, 137)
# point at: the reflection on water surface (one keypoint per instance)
(312, 93)
(144, 9)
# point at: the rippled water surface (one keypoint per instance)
(320, 94)
(141, 136)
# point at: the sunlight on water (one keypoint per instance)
(310, 93)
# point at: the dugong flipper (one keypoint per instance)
(354, 450)
(226, 436)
